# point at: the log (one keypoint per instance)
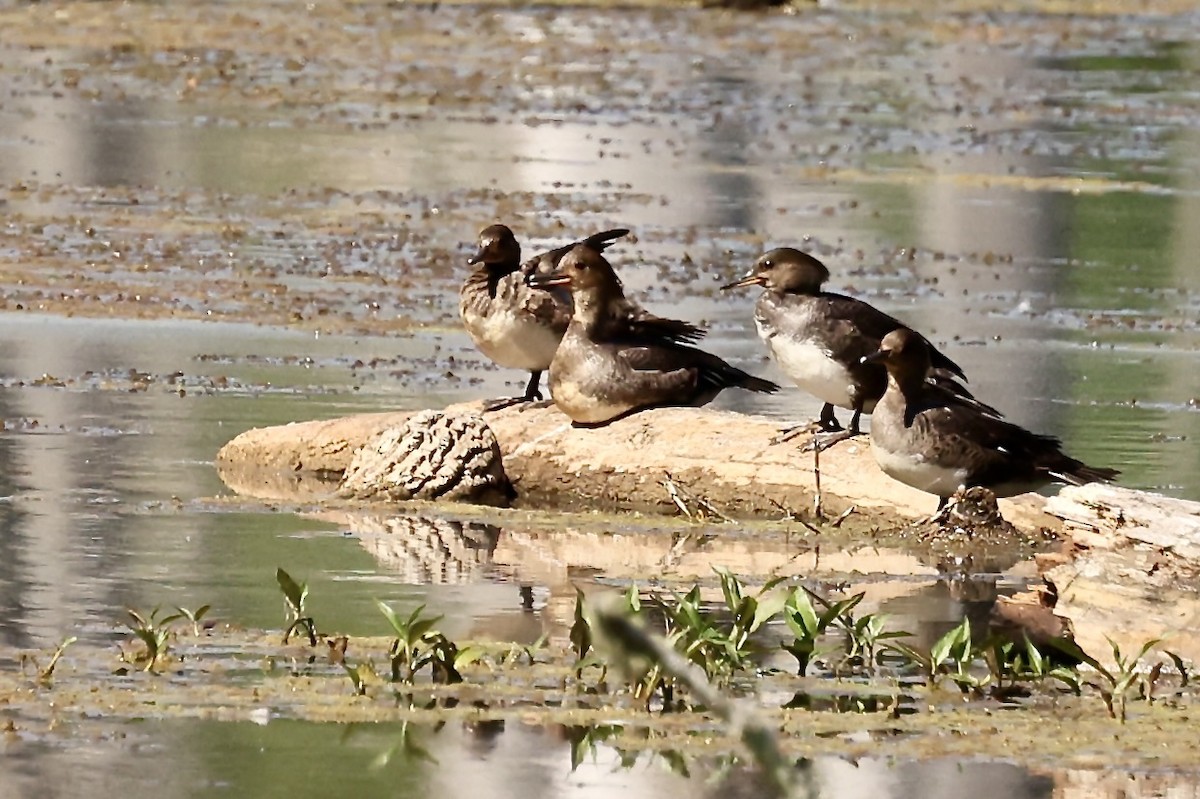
(1131, 572)
(725, 457)
(1134, 570)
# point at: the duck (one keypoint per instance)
(819, 339)
(614, 361)
(509, 322)
(937, 441)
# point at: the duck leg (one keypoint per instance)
(827, 423)
(532, 395)
(823, 441)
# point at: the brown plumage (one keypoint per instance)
(511, 323)
(819, 338)
(937, 441)
(612, 362)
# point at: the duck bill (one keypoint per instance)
(748, 280)
(875, 357)
(477, 258)
(548, 281)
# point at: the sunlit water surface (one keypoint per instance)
(1073, 310)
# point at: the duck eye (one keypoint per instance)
(768, 264)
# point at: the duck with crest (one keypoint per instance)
(611, 363)
(510, 323)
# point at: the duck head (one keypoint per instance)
(905, 355)
(785, 270)
(497, 247)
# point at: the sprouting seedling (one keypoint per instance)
(808, 626)
(46, 675)
(1117, 683)
(1034, 664)
(749, 612)
(154, 633)
(195, 616)
(295, 595)
(957, 647)
(416, 643)
(581, 633)
(866, 635)
(356, 679)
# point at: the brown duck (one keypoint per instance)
(937, 441)
(510, 323)
(612, 362)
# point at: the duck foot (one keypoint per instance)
(823, 441)
(535, 404)
(788, 433)
(500, 403)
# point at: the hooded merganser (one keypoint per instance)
(612, 361)
(935, 440)
(510, 323)
(820, 338)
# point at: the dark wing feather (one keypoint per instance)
(640, 324)
(1003, 451)
(873, 324)
(707, 368)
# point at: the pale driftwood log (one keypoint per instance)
(725, 457)
(1134, 574)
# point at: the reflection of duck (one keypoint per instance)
(934, 440)
(610, 364)
(510, 323)
(428, 551)
(819, 338)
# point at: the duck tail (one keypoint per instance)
(1080, 473)
(752, 383)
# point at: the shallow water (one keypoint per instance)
(242, 228)
(283, 758)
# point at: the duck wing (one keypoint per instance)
(862, 326)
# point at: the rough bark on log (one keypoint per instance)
(1134, 574)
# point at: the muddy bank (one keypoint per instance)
(725, 458)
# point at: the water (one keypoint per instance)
(267, 230)
(291, 759)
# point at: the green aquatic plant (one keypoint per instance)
(808, 626)
(295, 595)
(749, 612)
(194, 616)
(155, 633)
(866, 636)
(1127, 676)
(951, 656)
(418, 644)
(357, 681)
(630, 643)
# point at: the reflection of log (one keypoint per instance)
(427, 551)
(1134, 573)
(723, 456)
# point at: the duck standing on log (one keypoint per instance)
(509, 322)
(937, 441)
(612, 363)
(819, 340)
